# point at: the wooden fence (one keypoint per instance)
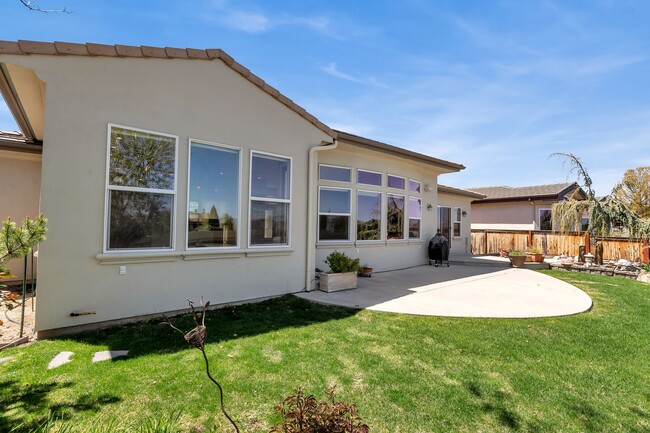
(555, 244)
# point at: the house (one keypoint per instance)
(520, 208)
(169, 173)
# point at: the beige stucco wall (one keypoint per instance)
(461, 245)
(192, 99)
(20, 177)
(382, 255)
(507, 216)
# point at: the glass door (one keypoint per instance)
(444, 222)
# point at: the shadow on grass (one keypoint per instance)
(28, 399)
(223, 324)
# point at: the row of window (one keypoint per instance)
(366, 177)
(141, 189)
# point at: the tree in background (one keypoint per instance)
(18, 242)
(634, 190)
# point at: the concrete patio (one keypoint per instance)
(465, 289)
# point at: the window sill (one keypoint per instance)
(397, 242)
(370, 244)
(336, 244)
(212, 254)
(265, 252)
(415, 241)
(137, 257)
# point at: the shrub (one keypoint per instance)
(516, 253)
(303, 414)
(340, 263)
(534, 251)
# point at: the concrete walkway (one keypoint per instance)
(461, 291)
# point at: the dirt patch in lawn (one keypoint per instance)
(10, 317)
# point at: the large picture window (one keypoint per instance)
(140, 189)
(333, 214)
(368, 216)
(415, 217)
(270, 200)
(394, 216)
(213, 196)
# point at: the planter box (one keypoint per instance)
(534, 257)
(517, 261)
(336, 282)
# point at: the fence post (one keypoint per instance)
(645, 252)
(587, 243)
(485, 243)
(530, 239)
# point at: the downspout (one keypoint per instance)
(311, 219)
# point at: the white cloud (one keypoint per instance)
(248, 22)
(333, 70)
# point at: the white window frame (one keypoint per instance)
(251, 198)
(457, 212)
(108, 188)
(382, 205)
(409, 186)
(334, 166)
(408, 223)
(404, 217)
(388, 176)
(349, 215)
(239, 190)
(370, 185)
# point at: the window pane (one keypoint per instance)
(333, 227)
(368, 216)
(395, 217)
(414, 186)
(545, 222)
(213, 214)
(415, 207)
(340, 174)
(270, 177)
(457, 229)
(414, 229)
(396, 182)
(334, 201)
(457, 215)
(269, 223)
(368, 178)
(140, 220)
(141, 159)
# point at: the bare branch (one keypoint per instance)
(33, 6)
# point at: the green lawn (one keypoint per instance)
(584, 373)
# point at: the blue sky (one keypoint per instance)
(495, 85)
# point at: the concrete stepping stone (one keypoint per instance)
(60, 359)
(109, 354)
(5, 359)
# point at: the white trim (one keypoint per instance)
(404, 222)
(251, 198)
(349, 169)
(108, 187)
(388, 175)
(381, 178)
(409, 186)
(381, 214)
(239, 191)
(349, 214)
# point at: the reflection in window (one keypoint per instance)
(415, 217)
(368, 216)
(457, 215)
(141, 189)
(368, 178)
(414, 186)
(396, 182)
(395, 216)
(339, 174)
(333, 214)
(545, 219)
(270, 200)
(213, 212)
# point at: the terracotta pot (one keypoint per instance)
(517, 261)
(535, 257)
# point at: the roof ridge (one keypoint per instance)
(24, 47)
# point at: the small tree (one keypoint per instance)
(18, 242)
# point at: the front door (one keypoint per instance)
(444, 222)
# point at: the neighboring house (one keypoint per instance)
(520, 208)
(171, 173)
(455, 216)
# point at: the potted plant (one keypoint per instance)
(342, 274)
(365, 271)
(534, 255)
(517, 258)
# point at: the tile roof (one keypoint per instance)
(94, 50)
(459, 191)
(525, 192)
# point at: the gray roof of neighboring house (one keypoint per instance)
(460, 191)
(12, 140)
(509, 193)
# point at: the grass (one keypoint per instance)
(584, 373)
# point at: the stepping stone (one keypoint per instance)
(59, 360)
(109, 354)
(5, 359)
